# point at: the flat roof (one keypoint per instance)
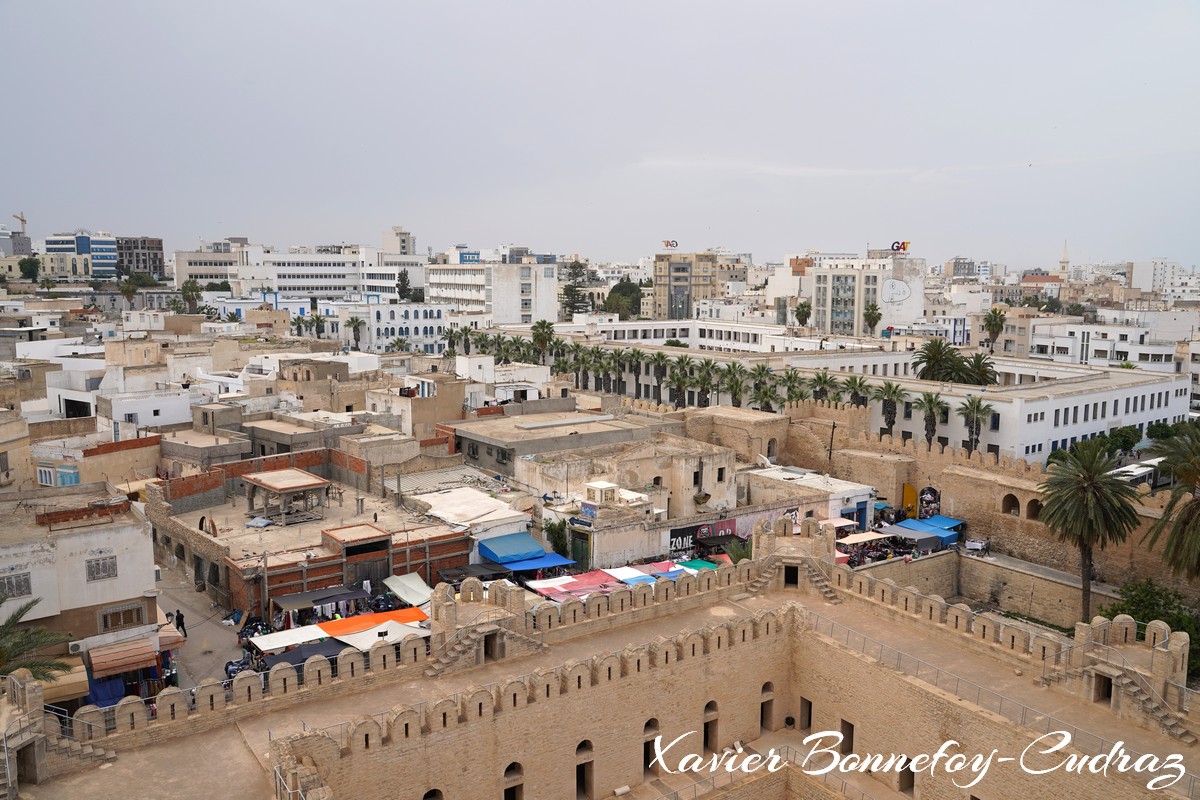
(356, 532)
(20, 509)
(286, 480)
(530, 427)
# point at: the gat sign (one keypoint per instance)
(900, 247)
(670, 244)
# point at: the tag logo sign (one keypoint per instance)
(670, 244)
(900, 247)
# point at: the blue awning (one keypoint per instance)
(944, 536)
(675, 573)
(512, 547)
(881, 506)
(642, 579)
(939, 521)
(544, 561)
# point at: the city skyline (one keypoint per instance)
(978, 133)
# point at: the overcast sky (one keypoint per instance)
(604, 128)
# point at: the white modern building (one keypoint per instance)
(79, 256)
(1102, 345)
(840, 290)
(510, 293)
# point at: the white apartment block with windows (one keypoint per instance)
(512, 294)
(1103, 346)
(422, 324)
(840, 289)
(1155, 275)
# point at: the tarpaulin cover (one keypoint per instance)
(317, 597)
(859, 538)
(944, 536)
(338, 627)
(67, 685)
(943, 522)
(549, 583)
(671, 573)
(511, 547)
(289, 638)
(838, 522)
(719, 541)
(131, 654)
(410, 588)
(722, 558)
(106, 693)
(392, 632)
(881, 506)
(662, 566)
(697, 564)
(298, 655)
(640, 579)
(624, 573)
(919, 538)
(541, 562)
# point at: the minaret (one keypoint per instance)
(1064, 263)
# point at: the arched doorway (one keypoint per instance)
(1033, 509)
(710, 727)
(1010, 505)
(649, 732)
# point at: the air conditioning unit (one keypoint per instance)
(75, 648)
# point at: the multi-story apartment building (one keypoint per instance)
(1102, 345)
(422, 324)
(80, 256)
(14, 243)
(681, 280)
(842, 288)
(140, 254)
(510, 293)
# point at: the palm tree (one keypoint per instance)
(636, 359)
(659, 363)
(308, 323)
(1180, 520)
(176, 306)
(871, 317)
(889, 394)
(1088, 507)
(803, 311)
(765, 397)
(298, 322)
(932, 406)
(708, 378)
(582, 364)
(974, 411)
(232, 317)
(733, 381)
(189, 292)
(356, 324)
(543, 335)
(679, 381)
(793, 386)
(993, 323)
(937, 360)
(19, 645)
(46, 283)
(978, 369)
(859, 390)
(399, 345)
(128, 290)
(318, 322)
(822, 384)
(761, 375)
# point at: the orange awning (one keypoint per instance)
(113, 659)
(341, 627)
(69, 685)
(169, 636)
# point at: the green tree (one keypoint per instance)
(216, 286)
(1087, 507)
(318, 323)
(740, 550)
(659, 363)
(399, 345)
(1159, 430)
(573, 276)
(20, 645)
(29, 266)
(803, 312)
(765, 397)
(973, 412)
(556, 537)
(761, 375)
(859, 390)
(232, 317)
(417, 295)
(128, 290)
(977, 369)
(543, 335)
(1180, 520)
(46, 283)
(189, 292)
(1125, 439)
(624, 298)
(793, 387)
(889, 395)
(176, 306)
(679, 381)
(933, 407)
(708, 379)
(356, 324)
(1076, 310)
(937, 360)
(673, 343)
(822, 384)
(1147, 600)
(403, 288)
(993, 324)
(871, 317)
(1126, 365)
(735, 385)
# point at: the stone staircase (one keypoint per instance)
(818, 581)
(765, 578)
(1170, 722)
(465, 641)
(79, 750)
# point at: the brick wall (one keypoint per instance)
(86, 512)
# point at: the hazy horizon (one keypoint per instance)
(989, 132)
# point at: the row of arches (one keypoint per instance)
(424, 313)
(1010, 504)
(405, 330)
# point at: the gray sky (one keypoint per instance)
(604, 128)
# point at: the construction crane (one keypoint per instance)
(20, 218)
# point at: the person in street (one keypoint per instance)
(179, 623)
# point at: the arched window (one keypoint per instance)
(584, 748)
(379, 331)
(439, 313)
(406, 313)
(433, 794)
(651, 727)
(378, 315)
(514, 771)
(1033, 510)
(1010, 505)
(771, 445)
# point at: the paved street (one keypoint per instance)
(210, 644)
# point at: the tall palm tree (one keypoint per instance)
(733, 376)
(761, 375)
(190, 294)
(19, 645)
(543, 335)
(708, 378)
(765, 397)
(399, 345)
(993, 324)
(679, 381)
(978, 369)
(356, 324)
(232, 317)
(583, 365)
(803, 311)
(623, 360)
(1180, 519)
(636, 359)
(889, 395)
(176, 306)
(859, 390)
(932, 406)
(871, 317)
(974, 411)
(297, 323)
(318, 321)
(451, 336)
(128, 290)
(822, 384)
(937, 360)
(659, 363)
(794, 387)
(1087, 507)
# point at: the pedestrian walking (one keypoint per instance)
(179, 623)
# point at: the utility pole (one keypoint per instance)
(832, 428)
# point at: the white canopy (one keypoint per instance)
(280, 640)
(839, 522)
(549, 583)
(393, 632)
(623, 573)
(410, 588)
(859, 538)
